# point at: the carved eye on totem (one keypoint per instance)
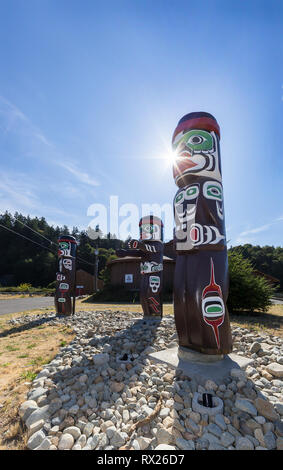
(213, 190)
(197, 141)
(149, 228)
(187, 194)
(64, 245)
(192, 192)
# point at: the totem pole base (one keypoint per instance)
(199, 368)
(190, 355)
(152, 317)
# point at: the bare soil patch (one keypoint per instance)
(22, 356)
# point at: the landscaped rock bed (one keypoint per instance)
(102, 392)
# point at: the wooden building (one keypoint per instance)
(85, 283)
(273, 281)
(126, 272)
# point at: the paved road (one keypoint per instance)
(27, 303)
(276, 301)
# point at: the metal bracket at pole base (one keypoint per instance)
(199, 407)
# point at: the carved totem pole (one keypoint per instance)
(66, 276)
(150, 249)
(201, 274)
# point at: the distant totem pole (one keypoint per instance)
(150, 249)
(201, 273)
(66, 276)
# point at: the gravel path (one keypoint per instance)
(102, 392)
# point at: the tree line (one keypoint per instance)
(30, 254)
(32, 258)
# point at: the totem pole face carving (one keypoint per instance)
(68, 264)
(195, 143)
(151, 228)
(192, 229)
(186, 211)
(64, 248)
(196, 153)
(64, 287)
(154, 283)
(150, 232)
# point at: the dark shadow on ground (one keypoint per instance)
(269, 320)
(28, 326)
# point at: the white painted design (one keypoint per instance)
(150, 267)
(67, 263)
(154, 283)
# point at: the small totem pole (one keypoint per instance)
(66, 276)
(150, 249)
(201, 274)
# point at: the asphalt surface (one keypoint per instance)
(276, 301)
(30, 303)
(27, 303)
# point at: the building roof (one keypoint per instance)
(267, 276)
(135, 259)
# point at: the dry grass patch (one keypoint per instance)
(270, 322)
(7, 296)
(82, 305)
(22, 356)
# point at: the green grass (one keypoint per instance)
(38, 361)
(11, 348)
(28, 375)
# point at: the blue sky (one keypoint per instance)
(91, 92)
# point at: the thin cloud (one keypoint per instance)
(262, 228)
(81, 176)
(244, 237)
(16, 192)
(12, 119)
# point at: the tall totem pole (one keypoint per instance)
(150, 249)
(201, 274)
(66, 276)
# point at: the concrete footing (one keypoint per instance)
(201, 367)
(197, 406)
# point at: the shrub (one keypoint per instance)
(51, 285)
(25, 287)
(247, 291)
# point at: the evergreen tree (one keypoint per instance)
(247, 291)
